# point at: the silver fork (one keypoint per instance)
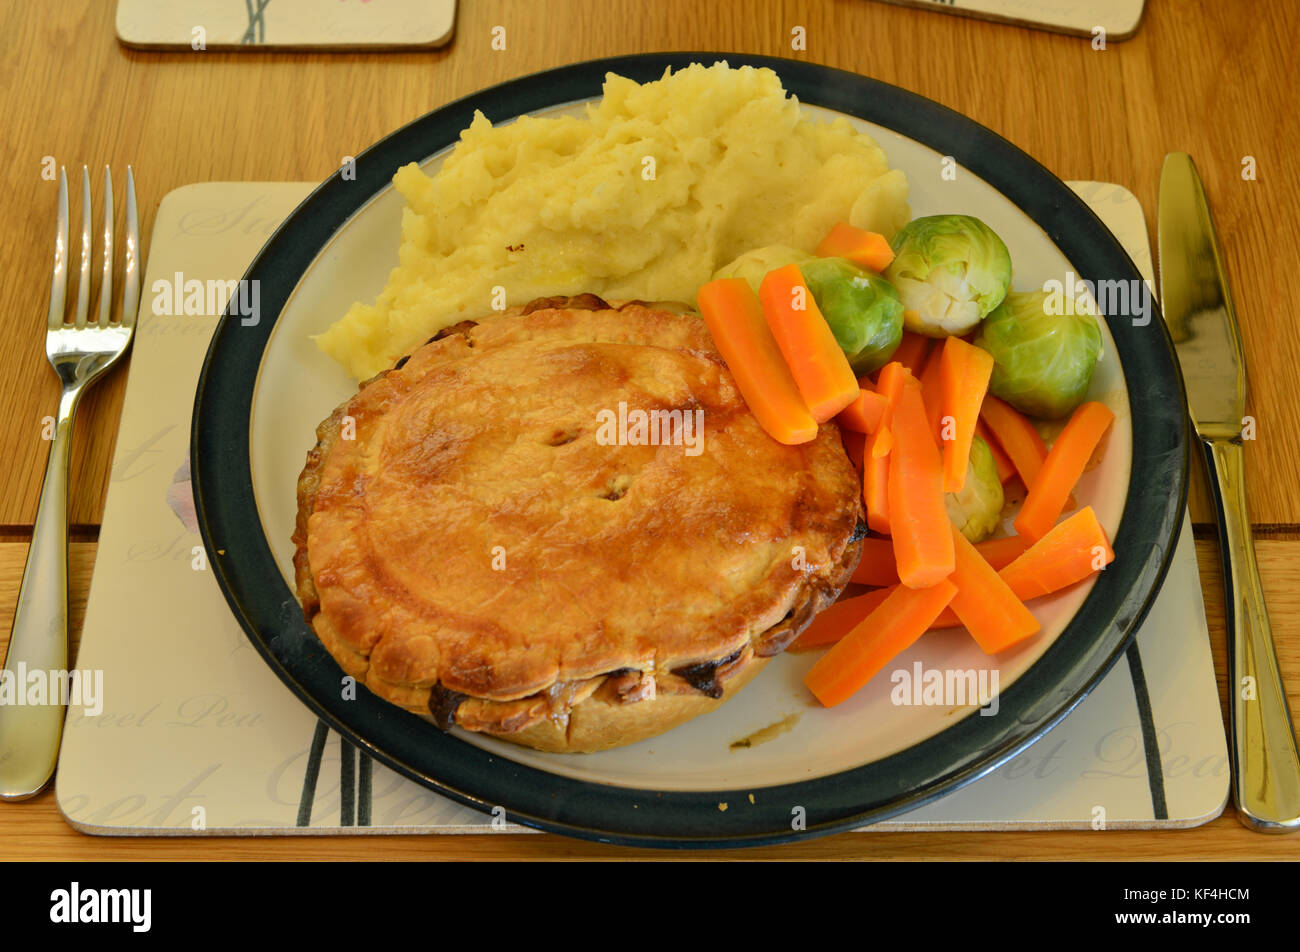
(80, 352)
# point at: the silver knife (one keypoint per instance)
(1203, 325)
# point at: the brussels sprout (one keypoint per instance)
(1042, 363)
(950, 272)
(752, 265)
(861, 307)
(977, 509)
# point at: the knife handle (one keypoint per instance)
(1265, 760)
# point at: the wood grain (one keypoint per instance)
(1198, 76)
(34, 829)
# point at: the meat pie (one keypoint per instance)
(492, 533)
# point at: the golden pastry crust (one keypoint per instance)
(469, 547)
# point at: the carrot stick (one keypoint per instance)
(735, 320)
(986, 605)
(932, 394)
(1000, 553)
(1062, 469)
(945, 618)
(877, 566)
(1006, 469)
(890, 386)
(833, 623)
(1018, 437)
(875, 491)
(1069, 553)
(912, 352)
(864, 413)
(904, 615)
(865, 248)
(820, 369)
(964, 372)
(882, 443)
(875, 467)
(918, 517)
(1072, 551)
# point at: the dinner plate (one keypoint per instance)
(770, 765)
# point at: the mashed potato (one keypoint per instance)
(644, 197)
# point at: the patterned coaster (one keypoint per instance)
(285, 24)
(1102, 20)
(196, 734)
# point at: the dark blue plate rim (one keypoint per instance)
(1095, 638)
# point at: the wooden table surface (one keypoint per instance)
(1198, 76)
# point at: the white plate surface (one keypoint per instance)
(299, 385)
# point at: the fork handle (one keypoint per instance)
(1265, 761)
(30, 733)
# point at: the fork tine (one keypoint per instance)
(131, 300)
(59, 279)
(106, 280)
(83, 285)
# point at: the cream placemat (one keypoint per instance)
(1102, 21)
(198, 735)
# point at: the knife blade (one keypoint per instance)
(1197, 305)
(1202, 323)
